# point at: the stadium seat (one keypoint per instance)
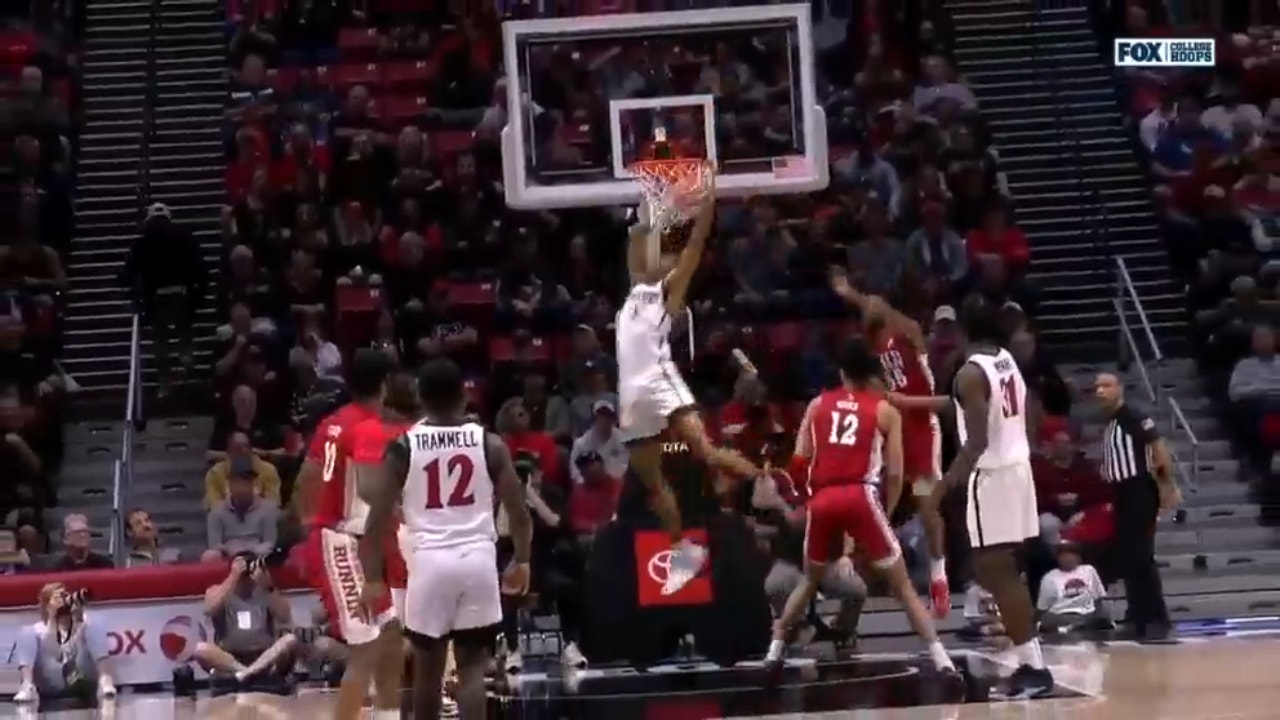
(476, 396)
(349, 74)
(357, 314)
(400, 110)
(410, 74)
(783, 341)
(502, 349)
(474, 301)
(358, 43)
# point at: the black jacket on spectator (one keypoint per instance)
(165, 256)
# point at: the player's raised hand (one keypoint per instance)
(515, 579)
(839, 279)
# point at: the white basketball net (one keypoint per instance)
(672, 189)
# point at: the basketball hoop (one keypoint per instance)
(672, 188)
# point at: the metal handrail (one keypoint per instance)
(1178, 421)
(1129, 345)
(122, 480)
(1125, 286)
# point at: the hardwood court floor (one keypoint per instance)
(1221, 679)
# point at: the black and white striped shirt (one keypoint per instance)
(1126, 445)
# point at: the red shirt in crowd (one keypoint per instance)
(748, 437)
(542, 446)
(1055, 484)
(284, 172)
(592, 504)
(1010, 244)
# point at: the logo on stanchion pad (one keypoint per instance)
(653, 571)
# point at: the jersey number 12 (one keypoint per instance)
(457, 471)
(844, 429)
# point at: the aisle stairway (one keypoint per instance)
(1051, 104)
(186, 168)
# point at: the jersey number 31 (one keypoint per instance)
(456, 471)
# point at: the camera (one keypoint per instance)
(74, 600)
(253, 563)
(525, 463)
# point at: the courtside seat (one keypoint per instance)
(503, 349)
(359, 43)
(414, 75)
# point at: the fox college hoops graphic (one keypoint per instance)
(179, 636)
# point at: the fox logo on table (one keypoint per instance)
(639, 616)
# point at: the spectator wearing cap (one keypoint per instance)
(76, 554)
(593, 389)
(1071, 595)
(241, 460)
(602, 439)
(245, 522)
(594, 498)
(144, 542)
(166, 276)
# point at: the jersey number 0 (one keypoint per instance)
(458, 471)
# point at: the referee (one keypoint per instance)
(1136, 460)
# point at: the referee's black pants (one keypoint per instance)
(1137, 504)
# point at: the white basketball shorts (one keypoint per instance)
(1002, 506)
(453, 588)
(648, 399)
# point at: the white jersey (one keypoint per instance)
(642, 332)
(448, 495)
(1007, 443)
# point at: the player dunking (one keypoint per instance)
(905, 360)
(994, 463)
(445, 472)
(332, 500)
(653, 396)
(847, 438)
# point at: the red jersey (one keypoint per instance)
(331, 448)
(845, 439)
(906, 369)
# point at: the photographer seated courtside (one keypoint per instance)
(251, 622)
(63, 655)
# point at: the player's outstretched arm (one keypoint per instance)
(934, 403)
(642, 251)
(874, 307)
(890, 422)
(677, 282)
(974, 398)
(510, 495)
(381, 494)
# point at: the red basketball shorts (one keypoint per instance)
(333, 566)
(854, 510)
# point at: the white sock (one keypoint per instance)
(775, 650)
(386, 715)
(938, 569)
(940, 657)
(973, 602)
(1029, 654)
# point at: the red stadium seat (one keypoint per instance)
(1271, 430)
(415, 74)
(358, 308)
(448, 143)
(562, 349)
(502, 349)
(358, 43)
(283, 79)
(399, 110)
(476, 394)
(474, 301)
(782, 342)
(349, 74)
